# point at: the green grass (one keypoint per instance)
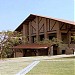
(11, 68)
(54, 68)
(65, 58)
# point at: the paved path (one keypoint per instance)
(36, 58)
(28, 68)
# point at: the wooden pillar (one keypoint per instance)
(24, 33)
(30, 38)
(58, 37)
(74, 52)
(69, 38)
(23, 29)
(14, 53)
(49, 50)
(45, 29)
(58, 32)
(37, 29)
(37, 52)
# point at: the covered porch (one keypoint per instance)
(31, 50)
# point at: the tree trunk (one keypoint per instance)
(1, 50)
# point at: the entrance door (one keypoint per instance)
(55, 50)
(63, 51)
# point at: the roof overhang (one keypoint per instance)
(31, 46)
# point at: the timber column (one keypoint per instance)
(69, 38)
(37, 29)
(59, 37)
(24, 33)
(30, 38)
(14, 52)
(58, 32)
(45, 29)
(23, 29)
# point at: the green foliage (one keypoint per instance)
(54, 41)
(45, 41)
(24, 40)
(57, 42)
(73, 39)
(7, 40)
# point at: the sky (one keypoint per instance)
(14, 12)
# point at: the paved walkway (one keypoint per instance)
(28, 68)
(39, 58)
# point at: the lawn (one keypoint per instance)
(12, 67)
(54, 68)
(47, 66)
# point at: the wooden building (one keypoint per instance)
(36, 27)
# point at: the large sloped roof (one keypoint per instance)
(32, 16)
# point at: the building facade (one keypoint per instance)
(37, 28)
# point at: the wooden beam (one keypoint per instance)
(33, 28)
(53, 25)
(40, 20)
(34, 21)
(62, 26)
(41, 27)
(69, 29)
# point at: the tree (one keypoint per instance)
(7, 40)
(50, 43)
(54, 41)
(3, 39)
(73, 39)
